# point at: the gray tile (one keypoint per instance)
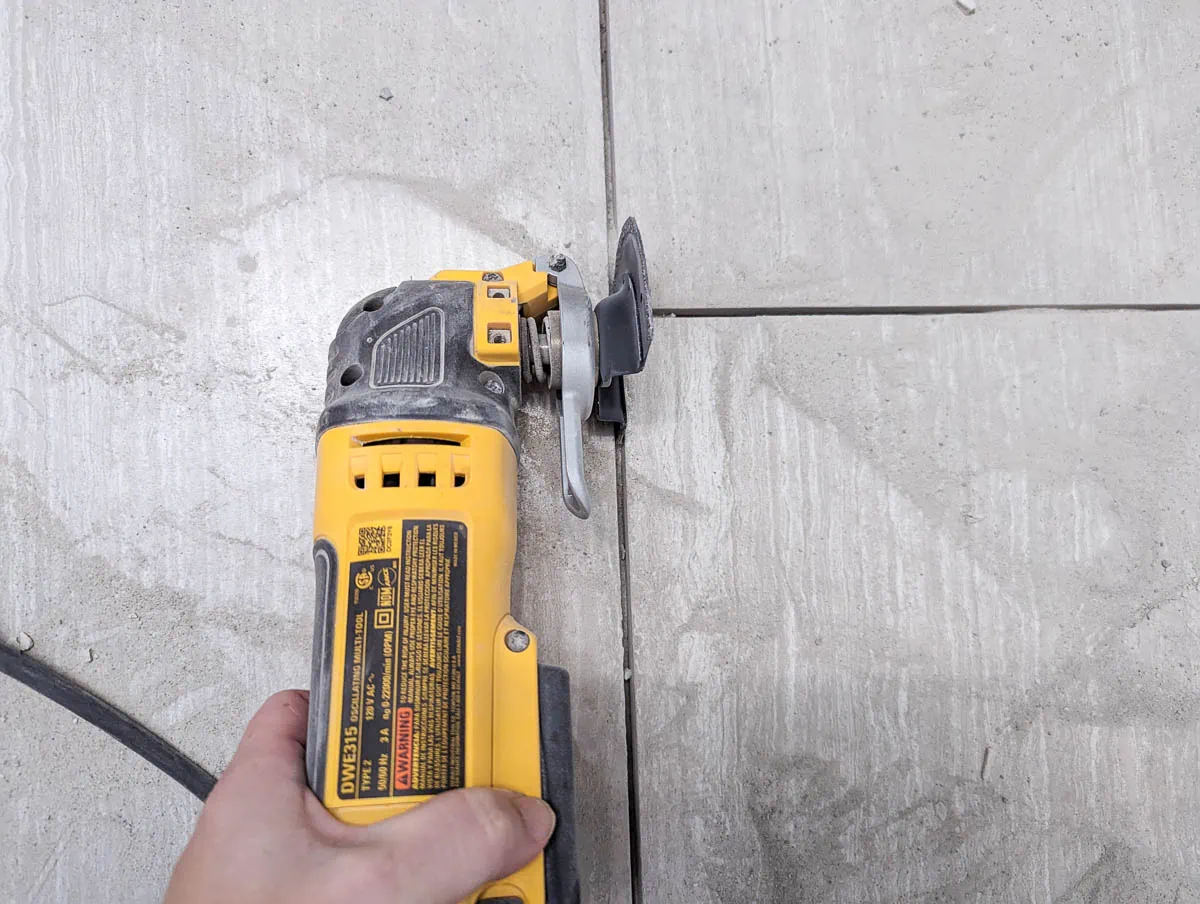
(916, 606)
(567, 588)
(192, 201)
(86, 820)
(842, 154)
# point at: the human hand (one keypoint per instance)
(263, 837)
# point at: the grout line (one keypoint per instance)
(918, 310)
(631, 766)
(610, 167)
(610, 218)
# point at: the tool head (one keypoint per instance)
(462, 347)
(585, 352)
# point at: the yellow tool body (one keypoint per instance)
(463, 710)
(423, 681)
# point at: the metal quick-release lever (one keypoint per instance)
(585, 354)
(576, 360)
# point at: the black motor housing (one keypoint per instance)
(405, 354)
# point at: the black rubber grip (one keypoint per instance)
(325, 568)
(558, 784)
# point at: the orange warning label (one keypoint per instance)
(404, 728)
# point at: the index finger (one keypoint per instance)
(272, 747)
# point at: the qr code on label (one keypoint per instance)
(373, 541)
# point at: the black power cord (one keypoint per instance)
(53, 685)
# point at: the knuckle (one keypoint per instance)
(496, 822)
(289, 699)
(282, 717)
(372, 869)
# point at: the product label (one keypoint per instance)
(403, 695)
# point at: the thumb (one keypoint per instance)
(458, 841)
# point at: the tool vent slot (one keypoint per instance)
(411, 441)
(427, 479)
(411, 353)
(391, 480)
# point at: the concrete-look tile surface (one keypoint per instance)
(192, 197)
(852, 154)
(85, 820)
(567, 588)
(915, 608)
